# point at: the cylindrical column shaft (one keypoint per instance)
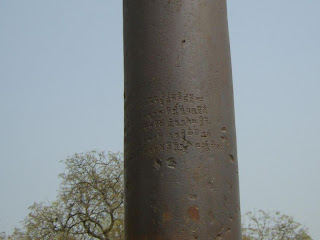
(181, 170)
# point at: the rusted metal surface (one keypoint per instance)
(181, 169)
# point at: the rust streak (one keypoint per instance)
(193, 213)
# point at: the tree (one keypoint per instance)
(92, 195)
(3, 236)
(266, 225)
(46, 222)
(89, 204)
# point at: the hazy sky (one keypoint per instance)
(61, 92)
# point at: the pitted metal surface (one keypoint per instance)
(181, 169)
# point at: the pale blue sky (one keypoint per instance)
(61, 92)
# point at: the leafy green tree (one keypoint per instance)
(266, 225)
(89, 204)
(46, 222)
(3, 236)
(92, 194)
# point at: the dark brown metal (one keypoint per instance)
(181, 170)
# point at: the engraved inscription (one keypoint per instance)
(177, 122)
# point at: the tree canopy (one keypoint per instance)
(89, 204)
(268, 225)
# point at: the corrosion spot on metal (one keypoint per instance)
(211, 217)
(171, 162)
(193, 213)
(166, 216)
(231, 158)
(230, 184)
(224, 129)
(193, 196)
(157, 164)
(218, 237)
